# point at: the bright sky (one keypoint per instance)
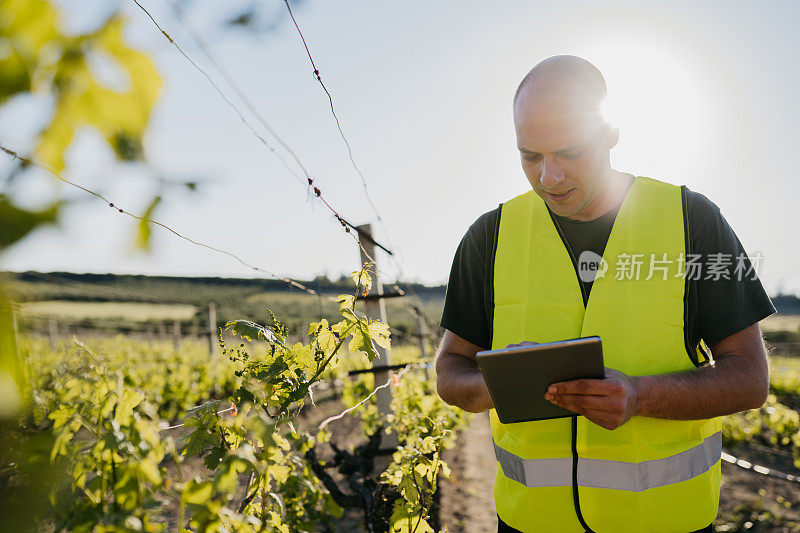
(704, 94)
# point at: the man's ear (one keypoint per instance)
(612, 137)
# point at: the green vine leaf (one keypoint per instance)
(250, 331)
(144, 231)
(379, 332)
(363, 278)
(197, 493)
(346, 302)
(323, 336)
(360, 341)
(121, 116)
(16, 223)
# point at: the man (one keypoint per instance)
(644, 453)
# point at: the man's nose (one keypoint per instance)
(551, 175)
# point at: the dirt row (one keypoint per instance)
(748, 501)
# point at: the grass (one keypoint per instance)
(234, 299)
(293, 309)
(131, 311)
(780, 322)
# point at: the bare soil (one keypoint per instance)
(467, 500)
(749, 501)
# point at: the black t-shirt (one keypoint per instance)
(717, 308)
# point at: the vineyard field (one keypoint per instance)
(144, 436)
(136, 311)
(136, 436)
(186, 187)
(108, 304)
(781, 322)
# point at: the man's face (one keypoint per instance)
(565, 155)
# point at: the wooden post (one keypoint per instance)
(423, 338)
(17, 393)
(162, 332)
(53, 329)
(213, 343)
(376, 309)
(176, 334)
(15, 328)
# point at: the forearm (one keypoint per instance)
(459, 382)
(731, 385)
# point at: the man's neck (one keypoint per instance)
(610, 197)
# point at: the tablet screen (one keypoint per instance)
(518, 377)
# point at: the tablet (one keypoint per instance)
(518, 377)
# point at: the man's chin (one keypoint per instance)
(560, 209)
(565, 208)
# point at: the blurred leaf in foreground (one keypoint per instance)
(144, 232)
(36, 56)
(15, 222)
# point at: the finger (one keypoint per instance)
(523, 343)
(579, 386)
(581, 402)
(573, 403)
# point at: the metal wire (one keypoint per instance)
(741, 463)
(111, 204)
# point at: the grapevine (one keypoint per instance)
(125, 426)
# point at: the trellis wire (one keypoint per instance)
(229, 79)
(747, 465)
(111, 204)
(318, 77)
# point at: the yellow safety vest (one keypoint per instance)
(569, 474)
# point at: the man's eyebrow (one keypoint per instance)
(573, 148)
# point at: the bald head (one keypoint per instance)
(563, 139)
(564, 80)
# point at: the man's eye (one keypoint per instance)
(572, 155)
(531, 157)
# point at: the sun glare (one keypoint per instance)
(658, 97)
(607, 115)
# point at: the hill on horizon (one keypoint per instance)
(233, 298)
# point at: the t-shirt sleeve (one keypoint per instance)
(465, 311)
(730, 296)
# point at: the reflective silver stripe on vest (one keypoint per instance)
(535, 472)
(617, 475)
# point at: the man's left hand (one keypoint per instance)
(608, 402)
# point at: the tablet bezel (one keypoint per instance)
(580, 358)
